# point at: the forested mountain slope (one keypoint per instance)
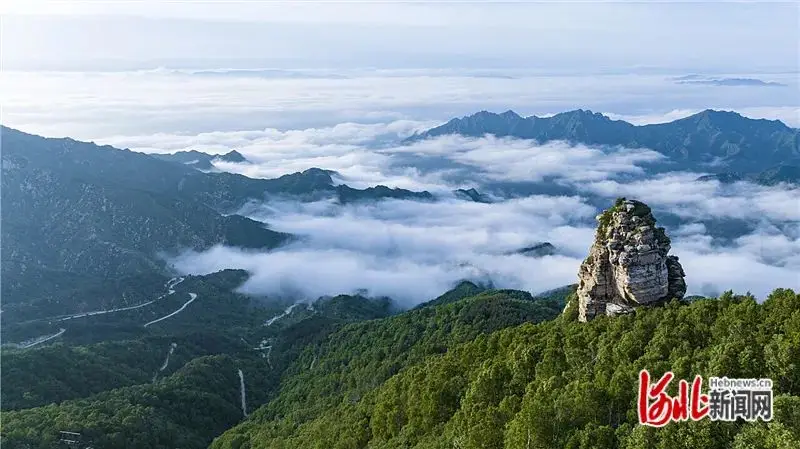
(184, 410)
(556, 384)
(82, 222)
(315, 355)
(57, 373)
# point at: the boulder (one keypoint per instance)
(631, 269)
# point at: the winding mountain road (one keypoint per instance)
(192, 297)
(41, 340)
(171, 284)
(101, 312)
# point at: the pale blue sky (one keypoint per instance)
(570, 36)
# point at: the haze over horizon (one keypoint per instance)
(329, 62)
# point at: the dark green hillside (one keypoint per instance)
(353, 361)
(184, 410)
(116, 394)
(57, 373)
(557, 384)
(78, 215)
(200, 400)
(217, 307)
(789, 174)
(56, 292)
(464, 289)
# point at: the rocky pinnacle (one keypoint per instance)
(628, 265)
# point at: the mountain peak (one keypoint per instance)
(714, 114)
(581, 114)
(232, 156)
(732, 121)
(473, 195)
(482, 113)
(719, 113)
(314, 171)
(537, 250)
(510, 114)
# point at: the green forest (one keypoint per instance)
(104, 391)
(556, 384)
(474, 368)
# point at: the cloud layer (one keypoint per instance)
(407, 250)
(353, 123)
(414, 251)
(105, 106)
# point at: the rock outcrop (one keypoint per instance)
(628, 265)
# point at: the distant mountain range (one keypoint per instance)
(79, 217)
(200, 160)
(725, 82)
(709, 141)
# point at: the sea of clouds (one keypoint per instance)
(413, 250)
(355, 123)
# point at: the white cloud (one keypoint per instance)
(735, 270)
(524, 160)
(408, 250)
(366, 155)
(445, 229)
(414, 251)
(681, 194)
(110, 106)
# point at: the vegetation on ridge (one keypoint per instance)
(560, 384)
(322, 364)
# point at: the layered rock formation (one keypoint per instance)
(628, 265)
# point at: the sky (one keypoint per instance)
(338, 85)
(573, 37)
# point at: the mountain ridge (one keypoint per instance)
(115, 213)
(721, 140)
(200, 160)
